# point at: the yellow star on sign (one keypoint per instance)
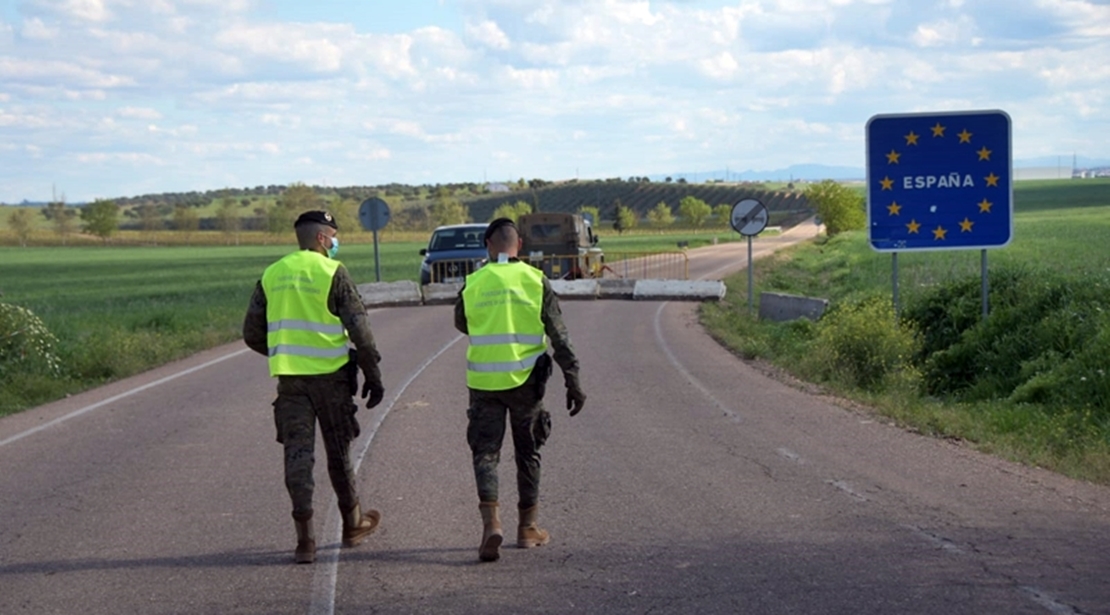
(894, 208)
(984, 154)
(965, 226)
(965, 136)
(939, 233)
(938, 130)
(914, 226)
(892, 157)
(911, 139)
(985, 206)
(992, 180)
(888, 183)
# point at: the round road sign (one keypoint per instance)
(749, 217)
(373, 213)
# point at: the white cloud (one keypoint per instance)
(139, 113)
(36, 29)
(488, 34)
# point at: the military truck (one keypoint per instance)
(562, 245)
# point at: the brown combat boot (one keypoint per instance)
(306, 540)
(357, 525)
(528, 534)
(490, 549)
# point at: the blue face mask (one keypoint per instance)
(334, 249)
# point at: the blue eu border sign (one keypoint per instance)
(939, 181)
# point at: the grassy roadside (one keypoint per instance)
(1030, 384)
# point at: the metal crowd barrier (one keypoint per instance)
(613, 265)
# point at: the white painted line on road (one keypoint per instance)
(1050, 603)
(686, 373)
(327, 565)
(936, 539)
(99, 404)
(846, 488)
(789, 454)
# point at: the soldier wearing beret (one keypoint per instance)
(303, 313)
(508, 310)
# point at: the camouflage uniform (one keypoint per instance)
(302, 401)
(529, 422)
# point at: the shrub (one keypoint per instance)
(1046, 340)
(861, 344)
(26, 345)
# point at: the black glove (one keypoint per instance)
(575, 398)
(372, 387)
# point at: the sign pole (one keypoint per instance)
(377, 261)
(751, 278)
(894, 284)
(983, 273)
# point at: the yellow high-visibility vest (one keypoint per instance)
(304, 337)
(503, 302)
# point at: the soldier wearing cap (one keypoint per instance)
(508, 310)
(303, 313)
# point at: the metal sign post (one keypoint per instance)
(373, 214)
(939, 181)
(749, 218)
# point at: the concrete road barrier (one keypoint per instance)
(679, 290)
(390, 294)
(575, 289)
(780, 307)
(441, 293)
(609, 288)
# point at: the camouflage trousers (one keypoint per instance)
(485, 432)
(303, 401)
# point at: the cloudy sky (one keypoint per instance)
(104, 98)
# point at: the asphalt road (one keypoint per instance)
(691, 483)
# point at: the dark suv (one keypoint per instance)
(453, 252)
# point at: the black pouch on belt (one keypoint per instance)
(541, 373)
(351, 368)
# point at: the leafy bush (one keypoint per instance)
(1046, 340)
(26, 345)
(861, 344)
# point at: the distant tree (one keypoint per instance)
(694, 211)
(100, 218)
(512, 211)
(589, 210)
(60, 217)
(20, 220)
(447, 209)
(668, 180)
(682, 180)
(149, 219)
(186, 221)
(346, 214)
(413, 218)
(297, 199)
(722, 215)
(841, 208)
(227, 219)
(624, 218)
(660, 216)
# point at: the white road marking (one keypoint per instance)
(327, 562)
(100, 404)
(729, 412)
